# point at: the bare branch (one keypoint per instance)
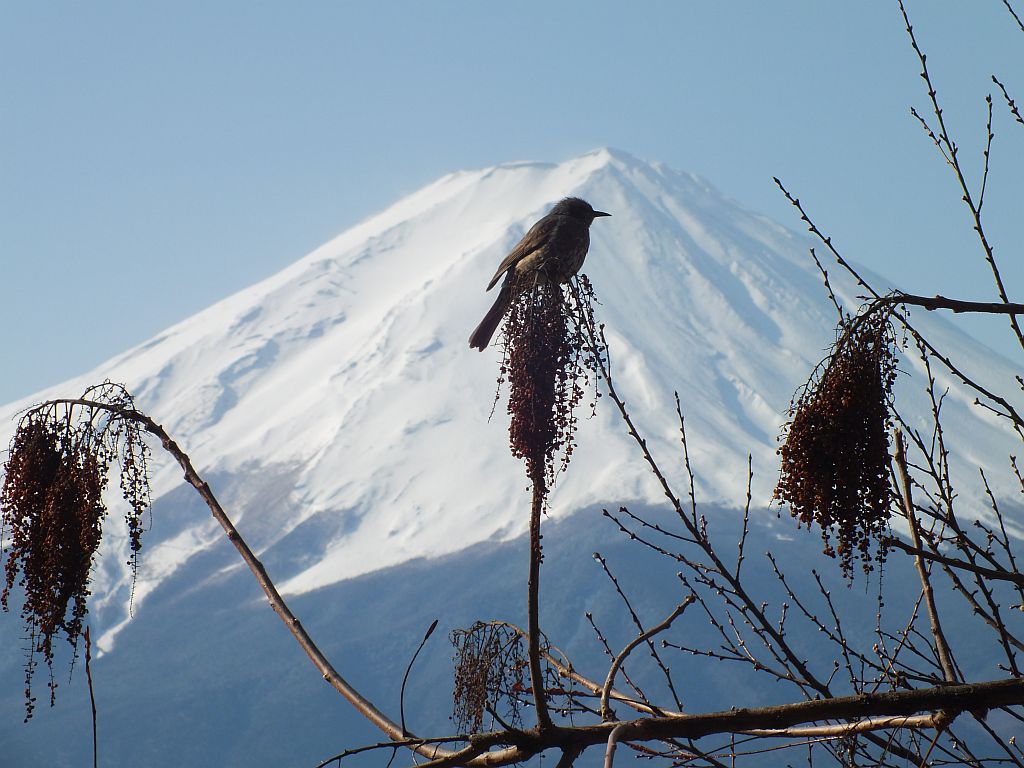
(363, 705)
(941, 646)
(952, 562)
(849, 729)
(613, 740)
(408, 669)
(1010, 103)
(1014, 14)
(642, 637)
(956, 305)
(533, 606)
(946, 140)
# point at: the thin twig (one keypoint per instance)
(953, 160)
(746, 517)
(92, 696)
(595, 688)
(1010, 103)
(640, 628)
(1014, 14)
(399, 743)
(408, 669)
(987, 154)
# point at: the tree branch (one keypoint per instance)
(868, 711)
(956, 305)
(944, 139)
(363, 705)
(941, 647)
(952, 562)
(533, 605)
(642, 637)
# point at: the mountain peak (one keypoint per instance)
(346, 423)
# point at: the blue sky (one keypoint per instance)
(157, 157)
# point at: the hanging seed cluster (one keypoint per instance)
(52, 511)
(490, 669)
(547, 364)
(835, 454)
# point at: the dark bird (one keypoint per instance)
(553, 250)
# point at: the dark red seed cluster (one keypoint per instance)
(547, 363)
(52, 511)
(835, 454)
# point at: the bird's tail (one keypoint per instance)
(481, 337)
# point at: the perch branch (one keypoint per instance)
(533, 605)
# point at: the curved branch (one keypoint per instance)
(363, 705)
(408, 669)
(643, 637)
(613, 740)
(566, 671)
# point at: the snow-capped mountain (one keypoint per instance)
(342, 418)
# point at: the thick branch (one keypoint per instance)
(868, 711)
(951, 698)
(955, 305)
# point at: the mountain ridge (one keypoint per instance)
(342, 387)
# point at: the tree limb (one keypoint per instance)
(642, 637)
(932, 303)
(941, 646)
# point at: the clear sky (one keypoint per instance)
(155, 157)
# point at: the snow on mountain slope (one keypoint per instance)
(340, 407)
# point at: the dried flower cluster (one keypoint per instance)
(490, 667)
(52, 510)
(835, 457)
(547, 363)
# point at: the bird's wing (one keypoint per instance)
(533, 240)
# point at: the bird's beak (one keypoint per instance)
(600, 213)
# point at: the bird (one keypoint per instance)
(553, 250)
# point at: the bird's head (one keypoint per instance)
(577, 208)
